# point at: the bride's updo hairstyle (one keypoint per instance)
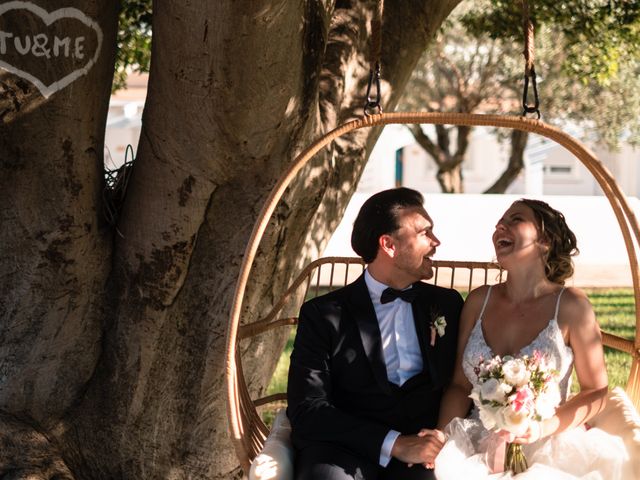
(562, 241)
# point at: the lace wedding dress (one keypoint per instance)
(575, 454)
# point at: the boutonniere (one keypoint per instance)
(438, 326)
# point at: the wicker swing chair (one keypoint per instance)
(248, 431)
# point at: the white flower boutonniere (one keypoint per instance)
(438, 325)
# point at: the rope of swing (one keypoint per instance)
(372, 105)
(529, 68)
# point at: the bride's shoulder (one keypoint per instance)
(575, 308)
(472, 309)
(573, 297)
(477, 298)
(478, 295)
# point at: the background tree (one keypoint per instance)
(112, 336)
(471, 68)
(134, 40)
(459, 73)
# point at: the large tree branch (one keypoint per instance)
(196, 193)
(434, 151)
(462, 141)
(516, 162)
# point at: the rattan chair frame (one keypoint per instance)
(247, 429)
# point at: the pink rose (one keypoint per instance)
(522, 400)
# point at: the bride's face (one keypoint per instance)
(516, 237)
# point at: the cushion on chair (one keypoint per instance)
(275, 461)
(620, 418)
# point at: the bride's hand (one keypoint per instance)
(533, 434)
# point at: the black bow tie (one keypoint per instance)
(390, 294)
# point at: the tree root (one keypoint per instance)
(27, 454)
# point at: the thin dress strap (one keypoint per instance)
(486, 300)
(558, 304)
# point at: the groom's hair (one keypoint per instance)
(379, 216)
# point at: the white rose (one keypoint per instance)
(489, 416)
(506, 388)
(548, 400)
(514, 422)
(515, 372)
(441, 325)
(492, 390)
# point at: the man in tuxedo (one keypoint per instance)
(369, 365)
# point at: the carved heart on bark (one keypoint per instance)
(50, 50)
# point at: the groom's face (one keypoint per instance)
(414, 244)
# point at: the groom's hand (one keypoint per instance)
(421, 448)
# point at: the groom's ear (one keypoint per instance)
(386, 245)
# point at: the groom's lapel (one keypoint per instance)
(367, 322)
(422, 316)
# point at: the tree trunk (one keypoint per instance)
(114, 344)
(516, 162)
(449, 164)
(450, 179)
(54, 246)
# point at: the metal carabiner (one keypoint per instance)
(372, 104)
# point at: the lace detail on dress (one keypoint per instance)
(576, 454)
(549, 341)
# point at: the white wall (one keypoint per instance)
(464, 224)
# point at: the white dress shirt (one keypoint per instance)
(400, 346)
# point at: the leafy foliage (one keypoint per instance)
(134, 40)
(601, 35)
(586, 62)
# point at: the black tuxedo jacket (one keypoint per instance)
(338, 391)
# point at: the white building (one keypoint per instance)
(124, 121)
(549, 168)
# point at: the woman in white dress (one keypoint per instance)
(532, 311)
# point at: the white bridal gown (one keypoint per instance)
(575, 454)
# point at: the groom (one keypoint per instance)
(369, 365)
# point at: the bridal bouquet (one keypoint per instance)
(510, 393)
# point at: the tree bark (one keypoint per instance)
(54, 246)
(516, 163)
(114, 344)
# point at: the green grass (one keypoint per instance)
(615, 310)
(279, 380)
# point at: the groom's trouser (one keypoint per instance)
(327, 462)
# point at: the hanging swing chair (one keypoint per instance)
(248, 431)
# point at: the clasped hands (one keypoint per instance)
(421, 448)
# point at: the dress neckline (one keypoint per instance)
(493, 353)
(546, 327)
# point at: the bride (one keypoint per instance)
(531, 311)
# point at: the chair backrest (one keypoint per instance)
(318, 278)
(328, 274)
